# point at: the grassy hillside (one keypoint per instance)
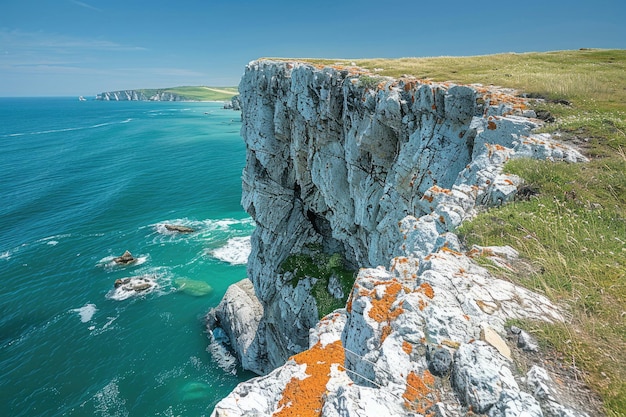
(201, 93)
(573, 233)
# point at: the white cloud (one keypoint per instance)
(20, 43)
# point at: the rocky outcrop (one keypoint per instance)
(379, 171)
(238, 314)
(139, 95)
(233, 104)
(125, 259)
(133, 286)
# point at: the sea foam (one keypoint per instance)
(236, 251)
(86, 312)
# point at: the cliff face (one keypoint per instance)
(137, 95)
(378, 171)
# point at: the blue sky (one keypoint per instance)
(76, 47)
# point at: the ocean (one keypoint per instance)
(81, 183)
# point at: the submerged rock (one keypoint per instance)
(193, 287)
(196, 391)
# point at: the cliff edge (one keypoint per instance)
(345, 171)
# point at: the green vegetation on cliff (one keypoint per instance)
(321, 266)
(572, 234)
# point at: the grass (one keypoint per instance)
(197, 93)
(322, 266)
(574, 231)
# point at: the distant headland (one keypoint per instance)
(186, 93)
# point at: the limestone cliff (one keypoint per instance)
(378, 171)
(140, 95)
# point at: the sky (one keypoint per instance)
(76, 47)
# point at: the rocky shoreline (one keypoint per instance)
(381, 171)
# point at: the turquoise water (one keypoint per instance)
(80, 183)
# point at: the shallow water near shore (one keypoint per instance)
(81, 183)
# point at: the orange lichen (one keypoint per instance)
(428, 198)
(452, 251)
(385, 332)
(438, 189)
(421, 304)
(508, 181)
(491, 125)
(349, 303)
(442, 219)
(407, 347)
(426, 289)
(305, 397)
(409, 85)
(466, 317)
(381, 308)
(420, 395)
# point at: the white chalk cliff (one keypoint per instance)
(380, 171)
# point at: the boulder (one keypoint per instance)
(132, 286)
(239, 314)
(126, 259)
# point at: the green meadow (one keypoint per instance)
(199, 93)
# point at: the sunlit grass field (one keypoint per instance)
(573, 232)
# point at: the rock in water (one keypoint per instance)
(179, 228)
(239, 314)
(128, 287)
(126, 259)
(194, 391)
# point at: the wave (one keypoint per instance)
(235, 252)
(67, 129)
(210, 233)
